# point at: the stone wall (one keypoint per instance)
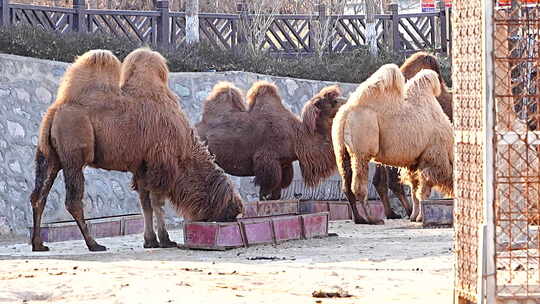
(28, 86)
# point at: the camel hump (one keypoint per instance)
(330, 92)
(387, 80)
(426, 81)
(93, 70)
(144, 67)
(262, 89)
(224, 96)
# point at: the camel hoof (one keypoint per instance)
(379, 222)
(418, 219)
(153, 243)
(97, 247)
(40, 247)
(168, 244)
(360, 221)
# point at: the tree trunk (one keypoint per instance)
(372, 8)
(192, 21)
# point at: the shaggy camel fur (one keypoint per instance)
(263, 138)
(125, 118)
(388, 177)
(395, 124)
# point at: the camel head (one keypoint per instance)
(418, 61)
(319, 112)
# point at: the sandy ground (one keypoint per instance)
(395, 263)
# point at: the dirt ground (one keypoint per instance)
(396, 263)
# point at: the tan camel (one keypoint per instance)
(125, 118)
(396, 124)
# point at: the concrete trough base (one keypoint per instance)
(98, 227)
(254, 231)
(437, 213)
(340, 210)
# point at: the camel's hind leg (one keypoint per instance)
(359, 186)
(157, 205)
(397, 187)
(46, 172)
(287, 174)
(346, 174)
(74, 179)
(380, 181)
(150, 239)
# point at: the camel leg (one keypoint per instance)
(380, 181)
(74, 179)
(157, 205)
(46, 172)
(346, 184)
(423, 193)
(416, 203)
(398, 188)
(150, 239)
(267, 171)
(359, 186)
(287, 174)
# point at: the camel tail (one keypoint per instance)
(260, 89)
(44, 142)
(338, 139)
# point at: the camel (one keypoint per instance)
(262, 138)
(395, 124)
(124, 117)
(388, 177)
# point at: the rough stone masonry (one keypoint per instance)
(28, 86)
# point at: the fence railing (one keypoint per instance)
(286, 34)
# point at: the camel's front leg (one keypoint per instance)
(268, 174)
(414, 189)
(157, 205)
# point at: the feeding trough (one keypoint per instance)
(341, 210)
(437, 212)
(99, 227)
(254, 231)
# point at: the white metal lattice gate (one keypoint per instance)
(496, 80)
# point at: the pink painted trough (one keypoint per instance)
(99, 227)
(254, 231)
(337, 210)
(437, 213)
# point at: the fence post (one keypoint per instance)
(79, 7)
(192, 21)
(443, 26)
(163, 23)
(4, 12)
(241, 8)
(395, 39)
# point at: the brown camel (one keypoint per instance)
(125, 118)
(263, 138)
(388, 177)
(396, 124)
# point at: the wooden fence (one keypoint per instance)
(286, 34)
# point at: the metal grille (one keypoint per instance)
(468, 147)
(517, 139)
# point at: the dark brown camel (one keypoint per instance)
(125, 118)
(263, 138)
(388, 177)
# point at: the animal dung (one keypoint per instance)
(98, 228)
(437, 213)
(254, 231)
